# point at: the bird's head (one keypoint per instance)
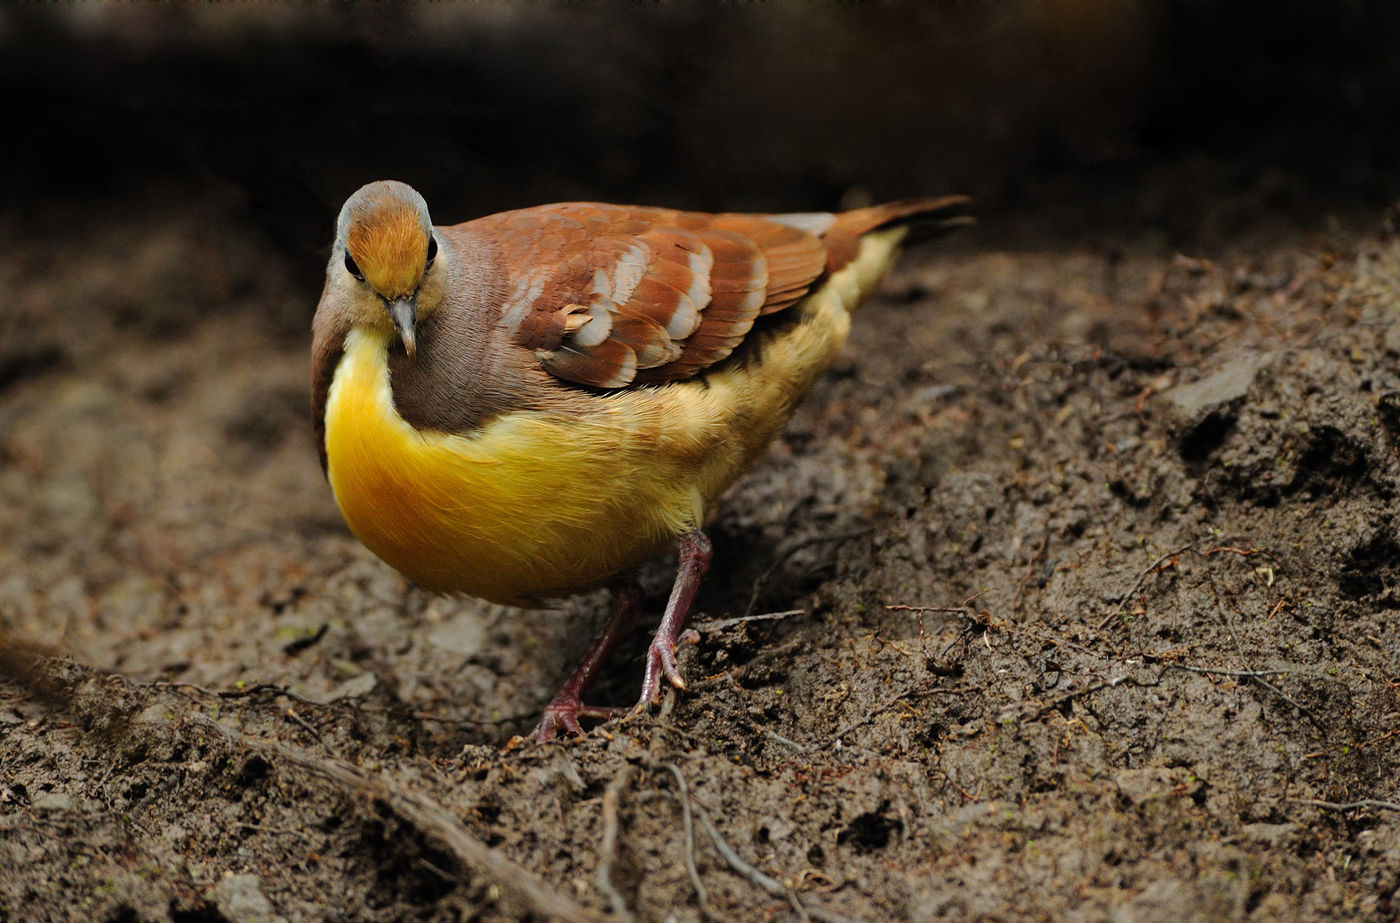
(384, 259)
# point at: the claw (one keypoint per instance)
(562, 714)
(661, 661)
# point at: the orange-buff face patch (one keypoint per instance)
(389, 246)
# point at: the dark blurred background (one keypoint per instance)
(1064, 117)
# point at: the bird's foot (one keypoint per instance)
(661, 661)
(562, 714)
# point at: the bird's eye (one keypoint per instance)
(352, 267)
(432, 253)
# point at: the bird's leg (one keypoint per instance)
(564, 710)
(695, 553)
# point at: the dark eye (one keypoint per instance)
(352, 268)
(432, 252)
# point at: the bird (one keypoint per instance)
(531, 404)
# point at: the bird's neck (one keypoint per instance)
(457, 379)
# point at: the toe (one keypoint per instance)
(561, 714)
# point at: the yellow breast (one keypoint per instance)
(534, 505)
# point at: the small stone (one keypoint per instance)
(153, 715)
(54, 801)
(1140, 785)
(1191, 401)
(240, 899)
(464, 633)
(1274, 836)
(355, 688)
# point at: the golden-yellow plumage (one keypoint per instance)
(535, 504)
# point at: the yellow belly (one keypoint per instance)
(533, 505)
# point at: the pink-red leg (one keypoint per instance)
(695, 553)
(564, 710)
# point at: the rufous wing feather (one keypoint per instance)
(610, 296)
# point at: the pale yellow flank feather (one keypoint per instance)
(533, 505)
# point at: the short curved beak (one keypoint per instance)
(404, 313)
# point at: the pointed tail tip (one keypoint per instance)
(925, 218)
(940, 213)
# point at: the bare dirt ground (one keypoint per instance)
(1068, 595)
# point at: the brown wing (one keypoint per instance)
(611, 295)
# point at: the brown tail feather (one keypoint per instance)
(937, 215)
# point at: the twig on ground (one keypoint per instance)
(1375, 740)
(241, 693)
(1349, 805)
(436, 821)
(1184, 549)
(975, 620)
(764, 656)
(688, 824)
(891, 703)
(774, 735)
(745, 619)
(1211, 671)
(297, 645)
(772, 885)
(964, 607)
(276, 831)
(1137, 585)
(1256, 675)
(1055, 641)
(1062, 701)
(433, 820)
(315, 734)
(759, 879)
(612, 795)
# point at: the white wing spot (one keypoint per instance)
(616, 288)
(522, 300)
(596, 330)
(701, 262)
(631, 267)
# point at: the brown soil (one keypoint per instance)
(1069, 594)
(1083, 572)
